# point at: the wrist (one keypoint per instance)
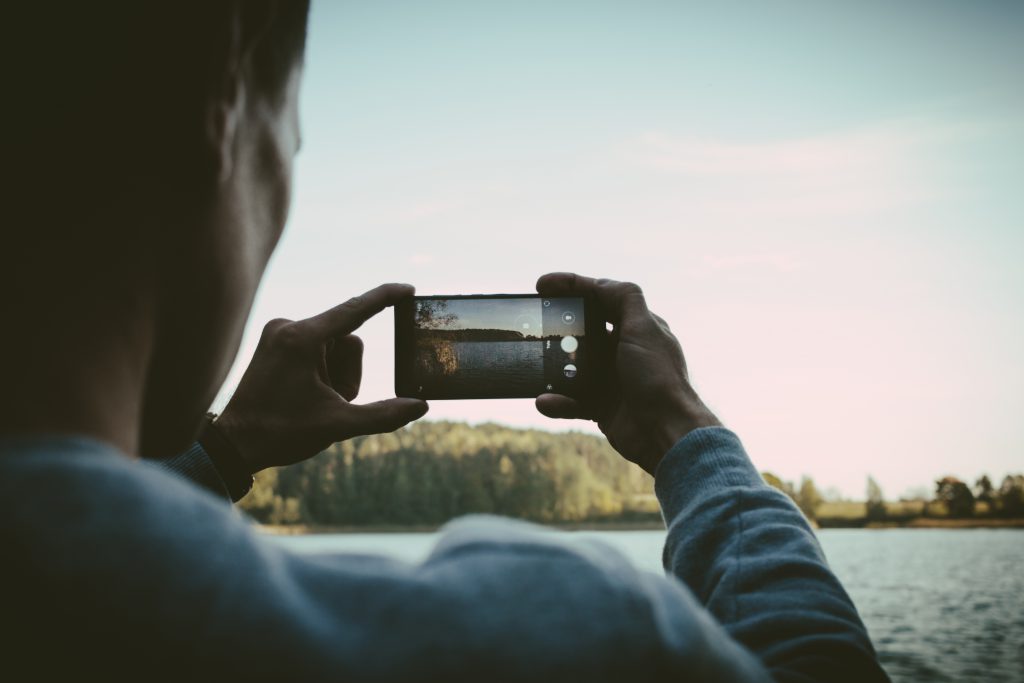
(235, 432)
(234, 470)
(690, 415)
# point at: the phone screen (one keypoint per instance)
(504, 346)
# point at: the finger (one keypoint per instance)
(380, 416)
(345, 365)
(270, 330)
(561, 407)
(619, 301)
(660, 321)
(347, 317)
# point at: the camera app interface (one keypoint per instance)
(488, 347)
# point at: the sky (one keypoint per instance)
(824, 200)
(494, 314)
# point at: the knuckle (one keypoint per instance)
(289, 337)
(630, 288)
(355, 302)
(273, 325)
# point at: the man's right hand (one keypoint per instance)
(648, 403)
(295, 398)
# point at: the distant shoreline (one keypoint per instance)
(918, 523)
(304, 529)
(939, 523)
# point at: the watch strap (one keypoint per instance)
(238, 479)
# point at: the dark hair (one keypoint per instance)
(283, 43)
(113, 91)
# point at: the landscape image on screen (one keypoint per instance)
(507, 346)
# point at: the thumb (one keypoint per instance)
(381, 416)
(558, 406)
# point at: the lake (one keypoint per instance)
(514, 368)
(940, 604)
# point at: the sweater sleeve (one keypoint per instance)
(751, 558)
(196, 466)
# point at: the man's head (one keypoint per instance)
(152, 147)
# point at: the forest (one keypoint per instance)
(431, 472)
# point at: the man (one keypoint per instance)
(154, 149)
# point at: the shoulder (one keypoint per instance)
(86, 513)
(66, 484)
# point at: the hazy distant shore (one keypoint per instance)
(297, 529)
(939, 523)
(920, 523)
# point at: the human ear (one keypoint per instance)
(243, 24)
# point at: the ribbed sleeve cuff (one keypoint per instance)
(196, 466)
(702, 463)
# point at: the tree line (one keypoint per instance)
(431, 472)
(953, 498)
(961, 501)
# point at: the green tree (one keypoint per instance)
(1011, 496)
(956, 496)
(874, 507)
(808, 498)
(985, 493)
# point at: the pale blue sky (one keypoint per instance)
(823, 199)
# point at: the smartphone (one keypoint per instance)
(497, 346)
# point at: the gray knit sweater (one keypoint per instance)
(121, 569)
